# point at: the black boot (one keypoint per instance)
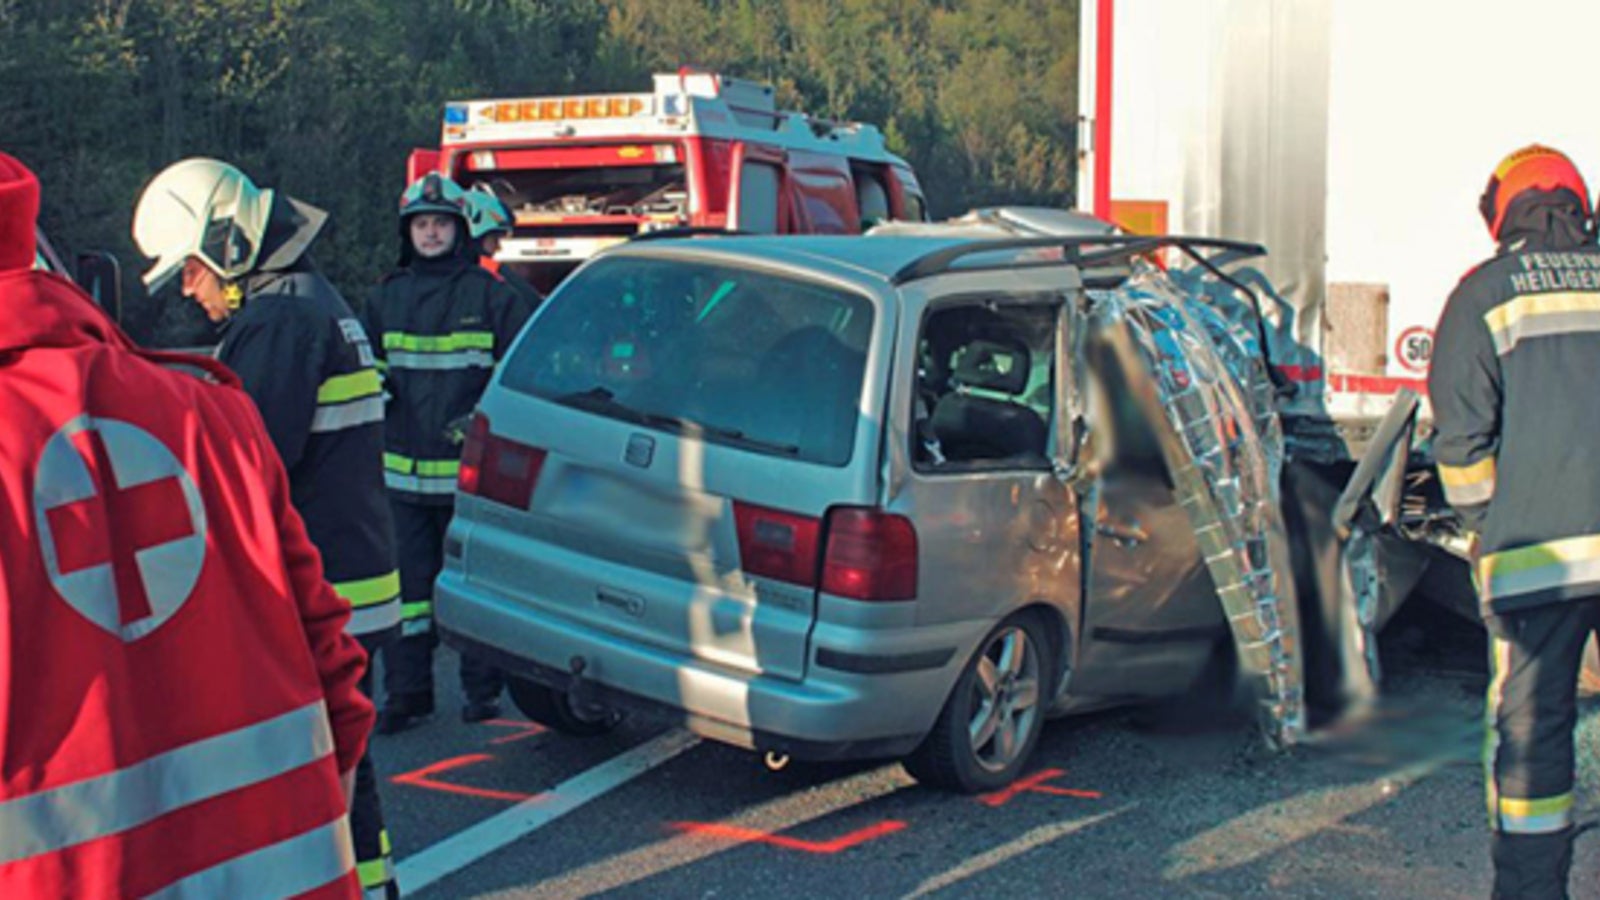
(402, 712)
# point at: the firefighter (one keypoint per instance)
(489, 221)
(439, 324)
(181, 715)
(242, 254)
(1518, 422)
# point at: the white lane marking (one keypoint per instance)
(988, 859)
(1248, 837)
(780, 814)
(466, 847)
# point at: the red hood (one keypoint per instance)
(19, 211)
(42, 310)
(38, 309)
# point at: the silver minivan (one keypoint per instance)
(865, 496)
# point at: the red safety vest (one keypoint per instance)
(177, 696)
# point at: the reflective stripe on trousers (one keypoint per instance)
(1513, 814)
(416, 618)
(420, 476)
(1531, 714)
(377, 874)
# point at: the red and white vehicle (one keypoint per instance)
(700, 150)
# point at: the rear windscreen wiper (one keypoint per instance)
(601, 400)
(735, 436)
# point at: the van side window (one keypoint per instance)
(872, 199)
(758, 198)
(985, 393)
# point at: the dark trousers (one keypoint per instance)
(408, 662)
(1534, 657)
(374, 857)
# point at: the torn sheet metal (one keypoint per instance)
(1224, 450)
(1361, 581)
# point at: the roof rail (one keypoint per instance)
(1081, 251)
(1084, 251)
(683, 231)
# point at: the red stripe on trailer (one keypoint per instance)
(1300, 373)
(1102, 110)
(1373, 384)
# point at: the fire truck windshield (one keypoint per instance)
(634, 190)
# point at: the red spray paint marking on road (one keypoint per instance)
(1035, 784)
(753, 836)
(423, 778)
(526, 729)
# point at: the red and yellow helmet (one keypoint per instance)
(1534, 167)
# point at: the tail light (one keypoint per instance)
(498, 469)
(777, 544)
(871, 555)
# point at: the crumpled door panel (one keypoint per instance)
(1209, 401)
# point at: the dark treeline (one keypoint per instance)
(324, 98)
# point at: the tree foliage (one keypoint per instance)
(324, 98)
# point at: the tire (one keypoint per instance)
(1001, 696)
(553, 709)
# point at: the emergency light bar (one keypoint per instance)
(562, 109)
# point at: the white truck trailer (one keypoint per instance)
(1351, 137)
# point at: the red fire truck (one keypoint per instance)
(701, 150)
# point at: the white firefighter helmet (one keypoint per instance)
(486, 214)
(203, 208)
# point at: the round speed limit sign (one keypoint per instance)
(1414, 348)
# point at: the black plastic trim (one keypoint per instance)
(863, 664)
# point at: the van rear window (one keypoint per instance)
(737, 356)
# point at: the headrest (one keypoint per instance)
(993, 364)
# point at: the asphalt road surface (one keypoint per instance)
(1129, 803)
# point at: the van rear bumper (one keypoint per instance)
(831, 714)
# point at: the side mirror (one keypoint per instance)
(100, 276)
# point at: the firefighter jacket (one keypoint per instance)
(305, 359)
(179, 693)
(521, 285)
(1517, 414)
(439, 327)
